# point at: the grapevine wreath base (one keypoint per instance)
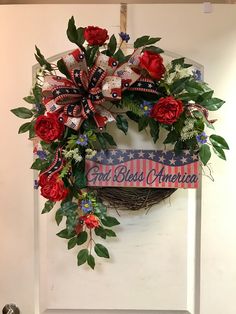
(95, 85)
(132, 198)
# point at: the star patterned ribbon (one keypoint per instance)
(80, 97)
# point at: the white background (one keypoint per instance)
(208, 39)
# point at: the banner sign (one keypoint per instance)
(143, 168)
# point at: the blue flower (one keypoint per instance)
(41, 154)
(202, 138)
(86, 206)
(124, 36)
(197, 75)
(146, 106)
(36, 184)
(82, 140)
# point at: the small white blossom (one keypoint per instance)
(90, 153)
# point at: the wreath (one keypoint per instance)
(73, 101)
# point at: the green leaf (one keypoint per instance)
(179, 85)
(194, 87)
(65, 234)
(212, 104)
(22, 112)
(101, 140)
(109, 139)
(40, 164)
(143, 123)
(101, 251)
(171, 138)
(119, 56)
(100, 232)
(179, 61)
(109, 221)
(82, 257)
(48, 206)
(218, 141)
(82, 237)
(141, 41)
(205, 153)
(80, 178)
(80, 32)
(72, 243)
(219, 152)
(110, 233)
(62, 68)
(91, 261)
(154, 49)
(41, 59)
(59, 216)
(122, 123)
(153, 40)
(24, 127)
(91, 54)
(133, 116)
(71, 32)
(154, 129)
(30, 99)
(112, 45)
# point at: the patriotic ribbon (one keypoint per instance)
(56, 166)
(80, 97)
(204, 111)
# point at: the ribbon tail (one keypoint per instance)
(56, 165)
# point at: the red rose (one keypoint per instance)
(153, 63)
(167, 110)
(53, 189)
(91, 221)
(48, 127)
(95, 36)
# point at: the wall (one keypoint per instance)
(206, 38)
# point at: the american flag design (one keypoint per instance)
(143, 168)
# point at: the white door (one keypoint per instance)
(183, 262)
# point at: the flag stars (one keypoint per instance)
(183, 160)
(161, 159)
(194, 157)
(131, 155)
(186, 152)
(172, 161)
(110, 160)
(99, 158)
(121, 158)
(113, 152)
(141, 154)
(151, 155)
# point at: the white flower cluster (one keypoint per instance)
(178, 73)
(90, 153)
(73, 154)
(188, 131)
